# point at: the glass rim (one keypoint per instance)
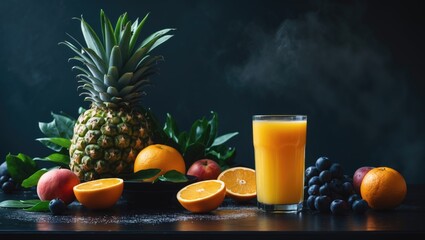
(294, 117)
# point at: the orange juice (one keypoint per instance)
(279, 145)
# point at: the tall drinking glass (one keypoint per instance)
(279, 146)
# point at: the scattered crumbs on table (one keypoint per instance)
(155, 217)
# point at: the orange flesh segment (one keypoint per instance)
(95, 185)
(239, 182)
(200, 191)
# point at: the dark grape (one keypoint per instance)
(314, 181)
(352, 198)
(311, 172)
(8, 187)
(322, 203)
(325, 189)
(3, 169)
(11, 180)
(57, 206)
(336, 186)
(310, 202)
(313, 190)
(336, 171)
(339, 207)
(347, 188)
(347, 178)
(323, 163)
(325, 176)
(3, 179)
(360, 206)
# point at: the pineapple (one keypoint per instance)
(108, 136)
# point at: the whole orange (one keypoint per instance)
(161, 157)
(383, 188)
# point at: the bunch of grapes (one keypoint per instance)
(7, 184)
(327, 189)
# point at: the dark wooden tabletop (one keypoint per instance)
(135, 220)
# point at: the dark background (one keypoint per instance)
(356, 68)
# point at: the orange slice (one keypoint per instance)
(240, 183)
(203, 196)
(99, 194)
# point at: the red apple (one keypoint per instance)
(57, 183)
(204, 169)
(358, 177)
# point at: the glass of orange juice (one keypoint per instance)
(279, 146)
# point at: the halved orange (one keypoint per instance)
(203, 196)
(99, 194)
(240, 183)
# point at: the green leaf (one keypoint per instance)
(81, 110)
(16, 204)
(63, 142)
(173, 176)
(133, 62)
(109, 81)
(160, 41)
(92, 40)
(116, 59)
(170, 128)
(42, 206)
(57, 158)
(102, 23)
(118, 26)
(49, 129)
(141, 175)
(125, 79)
(221, 154)
(109, 37)
(20, 167)
(213, 123)
(125, 41)
(64, 125)
(159, 135)
(136, 33)
(32, 180)
(84, 58)
(224, 138)
(183, 141)
(149, 41)
(52, 146)
(34, 205)
(145, 48)
(31, 201)
(99, 62)
(198, 131)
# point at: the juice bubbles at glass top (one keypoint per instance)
(279, 145)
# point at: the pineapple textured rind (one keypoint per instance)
(107, 142)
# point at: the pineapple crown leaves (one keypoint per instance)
(116, 69)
